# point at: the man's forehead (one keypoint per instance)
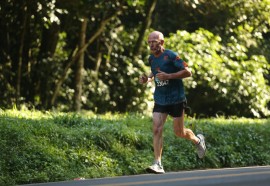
(153, 37)
(156, 35)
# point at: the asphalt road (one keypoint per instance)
(245, 176)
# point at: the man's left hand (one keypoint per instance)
(162, 75)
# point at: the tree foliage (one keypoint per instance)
(222, 74)
(226, 43)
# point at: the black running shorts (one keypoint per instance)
(175, 110)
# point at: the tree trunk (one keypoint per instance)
(76, 54)
(43, 85)
(146, 24)
(79, 67)
(20, 59)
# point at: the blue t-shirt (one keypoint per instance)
(170, 91)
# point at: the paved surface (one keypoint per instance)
(246, 176)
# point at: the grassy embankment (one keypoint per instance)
(45, 147)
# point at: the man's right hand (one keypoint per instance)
(143, 79)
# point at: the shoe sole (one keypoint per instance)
(203, 139)
(153, 171)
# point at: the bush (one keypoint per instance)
(43, 147)
(225, 77)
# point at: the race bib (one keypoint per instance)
(161, 83)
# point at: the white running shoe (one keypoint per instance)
(201, 148)
(156, 168)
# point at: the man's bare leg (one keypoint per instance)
(159, 120)
(182, 132)
(158, 123)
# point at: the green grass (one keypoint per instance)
(50, 146)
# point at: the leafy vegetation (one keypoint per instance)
(89, 54)
(216, 67)
(51, 146)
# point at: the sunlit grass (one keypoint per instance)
(46, 146)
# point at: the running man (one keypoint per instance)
(168, 70)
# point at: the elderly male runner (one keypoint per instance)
(168, 70)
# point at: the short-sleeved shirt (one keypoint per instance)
(168, 92)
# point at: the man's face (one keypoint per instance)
(155, 44)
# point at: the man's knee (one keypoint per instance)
(157, 130)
